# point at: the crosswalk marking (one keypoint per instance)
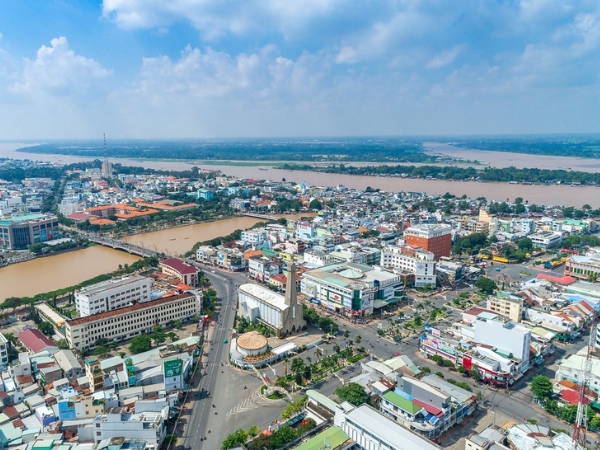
(253, 402)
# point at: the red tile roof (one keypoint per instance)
(127, 309)
(572, 397)
(35, 340)
(179, 266)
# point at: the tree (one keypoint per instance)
(486, 285)
(315, 204)
(235, 439)
(46, 328)
(253, 431)
(170, 440)
(474, 373)
(352, 393)
(541, 387)
(140, 344)
(100, 351)
(297, 365)
(525, 244)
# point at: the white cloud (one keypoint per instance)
(58, 70)
(446, 57)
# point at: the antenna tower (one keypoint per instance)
(105, 152)
(581, 423)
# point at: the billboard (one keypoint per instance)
(173, 368)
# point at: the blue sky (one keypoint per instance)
(261, 68)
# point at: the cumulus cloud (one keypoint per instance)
(58, 70)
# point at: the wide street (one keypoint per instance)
(237, 407)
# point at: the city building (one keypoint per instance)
(416, 263)
(147, 426)
(35, 341)
(546, 239)
(571, 369)
(283, 314)
(112, 294)
(21, 232)
(4, 350)
(352, 289)
(507, 305)
(230, 259)
(583, 267)
(175, 267)
(371, 430)
(69, 364)
(435, 238)
(508, 338)
(125, 323)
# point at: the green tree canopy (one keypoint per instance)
(352, 393)
(140, 344)
(541, 386)
(235, 439)
(486, 285)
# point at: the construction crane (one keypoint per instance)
(581, 423)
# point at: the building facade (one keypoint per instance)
(112, 294)
(415, 261)
(21, 232)
(351, 289)
(509, 306)
(281, 313)
(177, 268)
(435, 238)
(125, 323)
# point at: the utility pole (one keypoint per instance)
(581, 423)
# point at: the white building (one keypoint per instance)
(508, 338)
(125, 323)
(148, 426)
(4, 348)
(546, 239)
(254, 238)
(571, 369)
(352, 289)
(417, 262)
(283, 314)
(372, 430)
(112, 294)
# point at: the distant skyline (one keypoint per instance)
(275, 68)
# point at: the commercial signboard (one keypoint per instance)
(173, 368)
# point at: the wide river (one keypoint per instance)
(67, 269)
(546, 195)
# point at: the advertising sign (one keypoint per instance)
(446, 349)
(435, 332)
(335, 297)
(173, 368)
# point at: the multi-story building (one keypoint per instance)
(184, 272)
(112, 294)
(69, 364)
(583, 267)
(254, 238)
(260, 268)
(546, 239)
(148, 426)
(572, 368)
(305, 230)
(435, 238)
(415, 261)
(94, 374)
(230, 259)
(282, 314)
(4, 349)
(371, 430)
(507, 305)
(351, 289)
(506, 337)
(21, 232)
(125, 323)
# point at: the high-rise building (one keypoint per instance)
(435, 238)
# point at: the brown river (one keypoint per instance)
(46, 274)
(67, 269)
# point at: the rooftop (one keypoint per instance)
(264, 294)
(128, 309)
(179, 266)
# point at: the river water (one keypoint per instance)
(46, 274)
(546, 195)
(40, 275)
(67, 269)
